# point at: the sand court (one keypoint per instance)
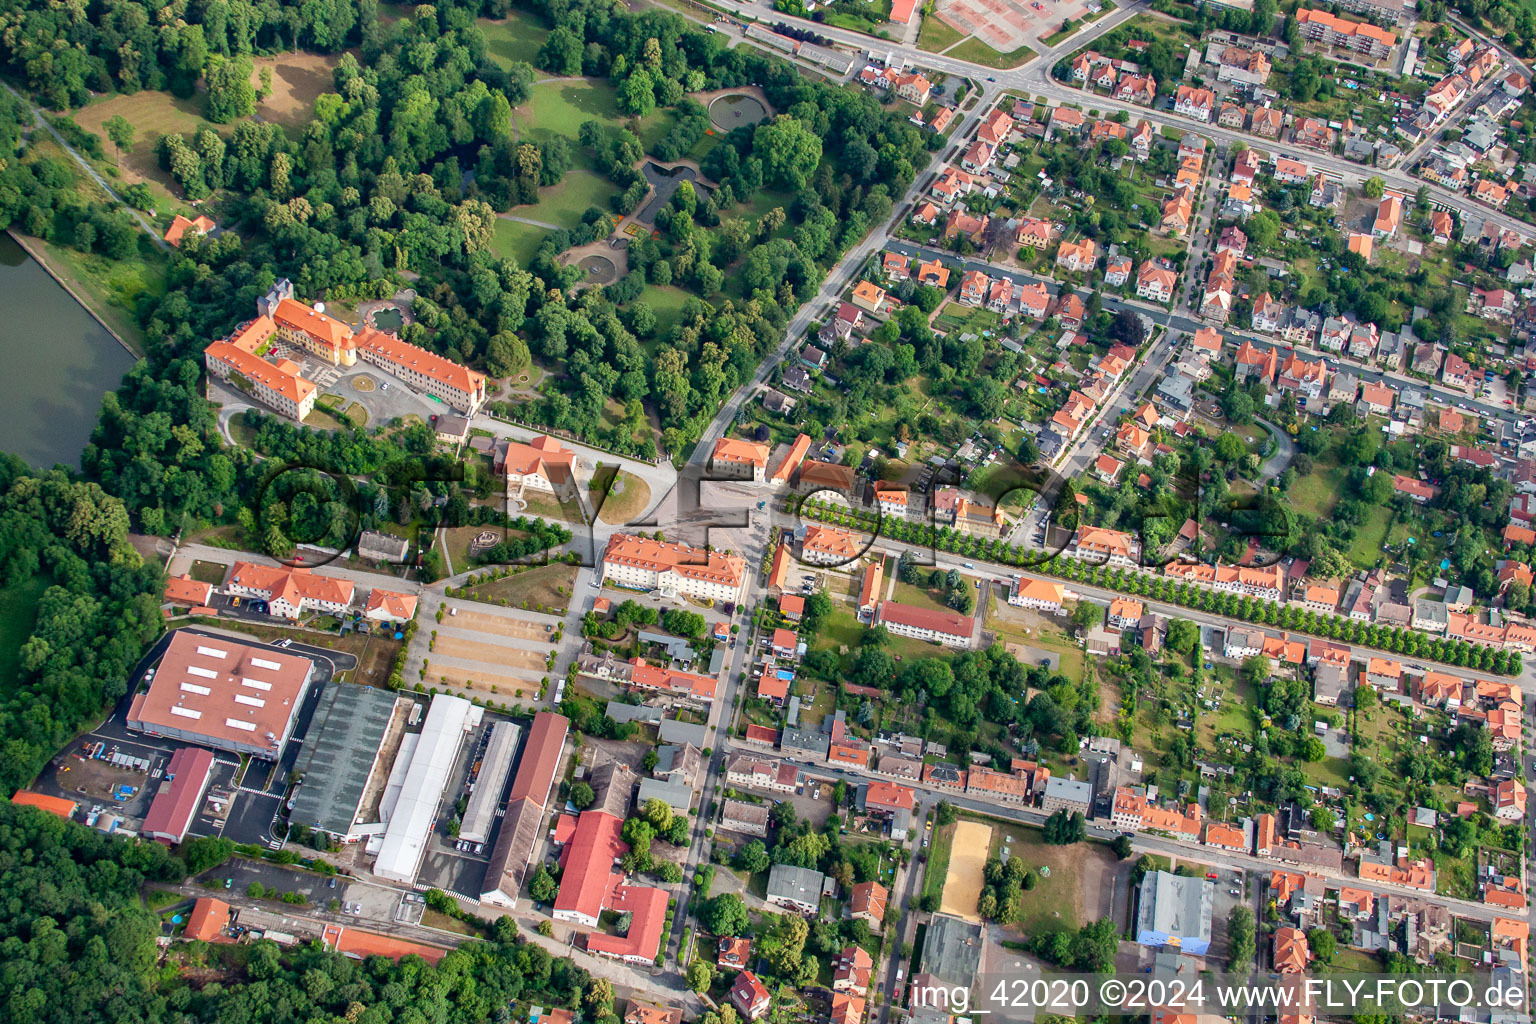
(493, 654)
(963, 881)
(500, 625)
(480, 680)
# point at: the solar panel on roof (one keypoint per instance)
(186, 712)
(212, 652)
(194, 688)
(235, 723)
(264, 663)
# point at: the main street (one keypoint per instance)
(1000, 575)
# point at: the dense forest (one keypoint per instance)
(80, 946)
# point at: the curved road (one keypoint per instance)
(38, 118)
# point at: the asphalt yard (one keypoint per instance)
(1006, 25)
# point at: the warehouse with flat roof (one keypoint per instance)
(341, 753)
(495, 765)
(224, 693)
(421, 790)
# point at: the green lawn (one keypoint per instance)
(920, 597)
(935, 36)
(1366, 549)
(842, 629)
(515, 37)
(559, 107)
(938, 861)
(1330, 771)
(208, 572)
(667, 303)
(112, 288)
(563, 204)
(978, 52)
(1316, 493)
(517, 241)
(18, 614)
(1053, 903)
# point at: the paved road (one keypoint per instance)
(1002, 575)
(1035, 80)
(85, 165)
(1184, 322)
(1285, 450)
(1146, 843)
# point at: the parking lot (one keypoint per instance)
(446, 866)
(244, 814)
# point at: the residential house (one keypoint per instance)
(1155, 282)
(1194, 102)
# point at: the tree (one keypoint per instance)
(1126, 328)
(207, 852)
(230, 93)
(788, 149)
(726, 915)
(817, 607)
(944, 814)
(752, 858)
(1323, 944)
(699, 976)
(1087, 615)
(1122, 847)
(1240, 938)
(1183, 635)
(120, 131)
(1063, 828)
(541, 887)
(1374, 187)
(581, 795)
(1257, 670)
(1263, 228)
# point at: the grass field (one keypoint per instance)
(1318, 491)
(297, 79)
(517, 241)
(18, 614)
(563, 204)
(1366, 549)
(515, 37)
(938, 861)
(1053, 903)
(111, 288)
(920, 597)
(152, 114)
(537, 586)
(935, 36)
(978, 52)
(559, 107)
(619, 497)
(208, 572)
(667, 303)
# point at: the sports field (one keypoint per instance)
(967, 858)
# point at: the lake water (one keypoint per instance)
(59, 362)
